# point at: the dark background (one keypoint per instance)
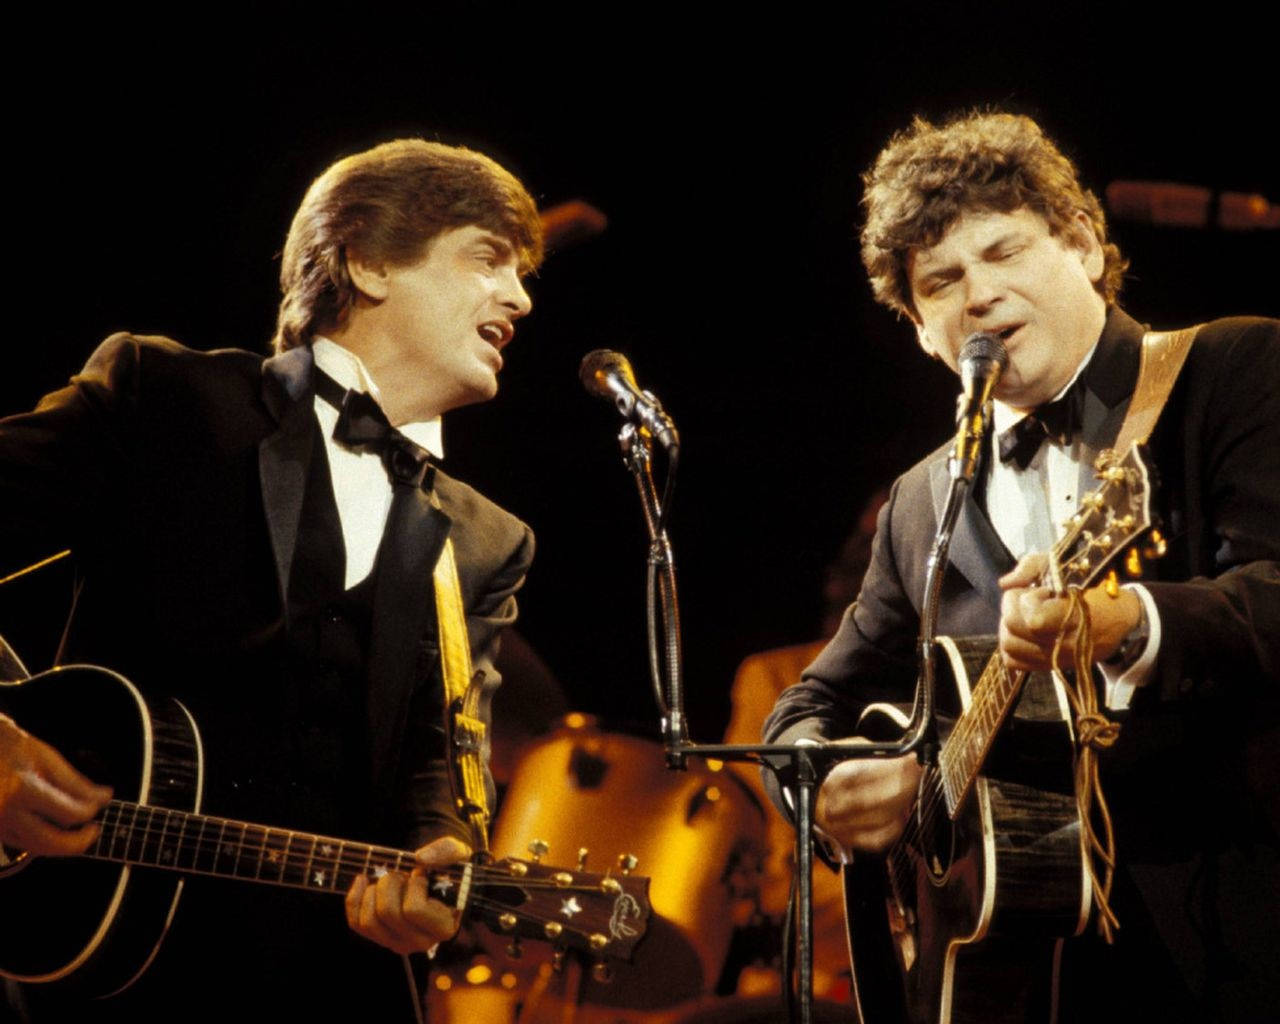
(153, 169)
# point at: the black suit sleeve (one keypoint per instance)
(63, 463)
(871, 657)
(1220, 628)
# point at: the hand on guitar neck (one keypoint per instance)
(46, 806)
(397, 912)
(1031, 616)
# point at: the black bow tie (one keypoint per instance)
(1059, 420)
(363, 426)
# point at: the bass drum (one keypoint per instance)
(698, 835)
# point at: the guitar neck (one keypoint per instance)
(962, 756)
(198, 844)
(1109, 519)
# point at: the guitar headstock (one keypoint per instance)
(1110, 519)
(602, 915)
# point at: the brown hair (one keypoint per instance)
(387, 204)
(928, 176)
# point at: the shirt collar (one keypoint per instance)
(349, 370)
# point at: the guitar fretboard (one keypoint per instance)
(966, 748)
(202, 845)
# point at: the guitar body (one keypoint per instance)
(964, 920)
(101, 921)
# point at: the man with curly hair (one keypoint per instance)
(258, 539)
(981, 225)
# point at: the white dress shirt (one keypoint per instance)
(361, 487)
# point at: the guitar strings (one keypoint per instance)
(361, 860)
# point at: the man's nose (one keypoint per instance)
(513, 295)
(983, 291)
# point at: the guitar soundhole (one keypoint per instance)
(935, 831)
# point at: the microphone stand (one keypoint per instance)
(800, 766)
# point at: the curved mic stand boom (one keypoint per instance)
(801, 766)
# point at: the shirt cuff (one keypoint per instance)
(1120, 684)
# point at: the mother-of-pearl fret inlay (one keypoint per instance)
(184, 841)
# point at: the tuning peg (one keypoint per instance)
(1155, 546)
(557, 959)
(602, 972)
(582, 858)
(538, 849)
(1111, 584)
(627, 862)
(514, 950)
(507, 922)
(1133, 563)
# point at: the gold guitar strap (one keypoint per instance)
(464, 729)
(1163, 353)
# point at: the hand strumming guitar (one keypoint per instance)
(46, 806)
(864, 804)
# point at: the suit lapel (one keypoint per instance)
(285, 455)
(976, 549)
(1109, 382)
(403, 619)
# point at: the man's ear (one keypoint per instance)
(371, 279)
(1080, 236)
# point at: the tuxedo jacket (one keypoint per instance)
(177, 478)
(1194, 781)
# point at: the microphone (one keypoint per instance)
(982, 360)
(608, 375)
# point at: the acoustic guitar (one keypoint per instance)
(116, 900)
(965, 917)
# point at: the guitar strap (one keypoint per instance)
(1163, 353)
(464, 729)
(1162, 357)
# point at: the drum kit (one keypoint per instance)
(583, 794)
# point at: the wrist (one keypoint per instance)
(1134, 642)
